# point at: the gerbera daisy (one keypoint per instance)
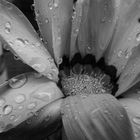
(86, 84)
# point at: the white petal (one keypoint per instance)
(23, 41)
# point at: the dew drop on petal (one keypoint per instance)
(39, 67)
(18, 81)
(12, 117)
(50, 75)
(20, 98)
(2, 102)
(59, 60)
(50, 5)
(20, 107)
(31, 106)
(47, 20)
(136, 120)
(7, 109)
(20, 42)
(8, 27)
(44, 96)
(138, 37)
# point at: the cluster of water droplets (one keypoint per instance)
(10, 111)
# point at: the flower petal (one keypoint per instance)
(131, 101)
(97, 26)
(54, 20)
(3, 69)
(23, 41)
(131, 73)
(125, 37)
(99, 117)
(22, 96)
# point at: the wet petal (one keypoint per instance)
(76, 21)
(54, 20)
(131, 73)
(131, 102)
(125, 37)
(22, 96)
(3, 69)
(99, 117)
(23, 41)
(97, 26)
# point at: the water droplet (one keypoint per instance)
(20, 98)
(20, 42)
(138, 37)
(136, 135)
(37, 75)
(18, 81)
(8, 27)
(2, 102)
(50, 5)
(44, 96)
(50, 76)
(39, 67)
(56, 3)
(17, 119)
(47, 20)
(31, 106)
(12, 117)
(120, 53)
(7, 109)
(59, 60)
(20, 107)
(16, 57)
(136, 120)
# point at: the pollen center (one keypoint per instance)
(85, 81)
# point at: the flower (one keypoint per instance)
(82, 96)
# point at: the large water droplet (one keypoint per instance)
(44, 96)
(20, 42)
(7, 109)
(20, 98)
(136, 120)
(31, 106)
(18, 81)
(138, 37)
(8, 27)
(2, 102)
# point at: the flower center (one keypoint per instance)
(84, 79)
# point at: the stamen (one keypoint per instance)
(85, 82)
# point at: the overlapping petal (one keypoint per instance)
(99, 117)
(22, 96)
(124, 42)
(54, 20)
(97, 21)
(131, 102)
(23, 41)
